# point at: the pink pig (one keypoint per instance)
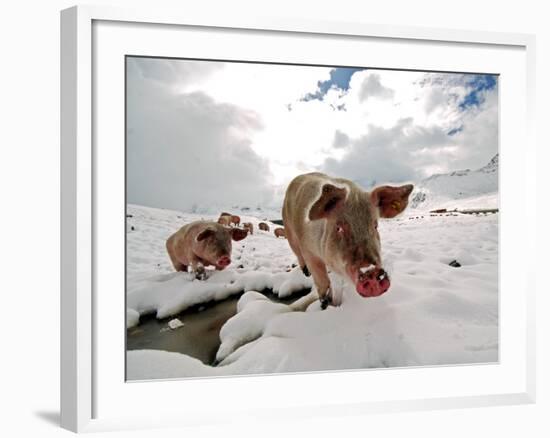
(201, 244)
(332, 223)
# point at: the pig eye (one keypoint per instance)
(339, 229)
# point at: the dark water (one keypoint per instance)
(200, 335)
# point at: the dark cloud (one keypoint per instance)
(384, 155)
(341, 140)
(372, 87)
(167, 71)
(186, 150)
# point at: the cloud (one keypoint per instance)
(372, 87)
(227, 128)
(341, 140)
(423, 126)
(174, 71)
(387, 155)
(187, 150)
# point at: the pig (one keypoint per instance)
(201, 243)
(235, 220)
(263, 226)
(332, 223)
(248, 226)
(279, 232)
(225, 220)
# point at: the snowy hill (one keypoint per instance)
(459, 189)
(263, 213)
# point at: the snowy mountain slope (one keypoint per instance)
(262, 213)
(476, 189)
(433, 313)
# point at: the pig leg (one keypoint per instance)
(198, 268)
(295, 247)
(200, 272)
(321, 280)
(180, 267)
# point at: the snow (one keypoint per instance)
(366, 269)
(261, 261)
(132, 318)
(433, 313)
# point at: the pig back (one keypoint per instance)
(184, 242)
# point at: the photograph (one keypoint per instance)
(292, 218)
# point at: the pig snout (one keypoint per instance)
(223, 261)
(372, 281)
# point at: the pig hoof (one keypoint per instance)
(325, 301)
(305, 270)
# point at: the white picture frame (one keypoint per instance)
(89, 399)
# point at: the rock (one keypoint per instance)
(455, 264)
(175, 324)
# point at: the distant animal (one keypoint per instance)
(332, 223)
(225, 220)
(202, 243)
(279, 232)
(248, 226)
(263, 226)
(235, 220)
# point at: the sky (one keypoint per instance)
(203, 133)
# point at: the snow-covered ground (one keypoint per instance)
(433, 313)
(261, 261)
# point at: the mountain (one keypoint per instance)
(459, 189)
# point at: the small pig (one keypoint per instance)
(235, 220)
(279, 232)
(225, 220)
(201, 244)
(263, 226)
(248, 226)
(332, 223)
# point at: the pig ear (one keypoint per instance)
(391, 201)
(238, 234)
(205, 234)
(331, 199)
